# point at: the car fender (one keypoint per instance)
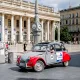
(66, 57)
(33, 61)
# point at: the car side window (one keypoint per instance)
(57, 47)
(37, 48)
(63, 48)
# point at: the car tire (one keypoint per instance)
(39, 66)
(65, 64)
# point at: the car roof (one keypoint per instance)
(51, 43)
(44, 43)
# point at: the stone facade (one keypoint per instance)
(17, 17)
(71, 18)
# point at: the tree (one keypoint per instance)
(65, 35)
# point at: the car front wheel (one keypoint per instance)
(39, 66)
(65, 64)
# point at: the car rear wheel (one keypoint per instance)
(39, 66)
(65, 64)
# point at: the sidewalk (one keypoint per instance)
(72, 48)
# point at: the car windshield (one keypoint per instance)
(40, 47)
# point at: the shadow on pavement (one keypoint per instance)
(31, 70)
(75, 60)
(33, 79)
(21, 70)
(14, 68)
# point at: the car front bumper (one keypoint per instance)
(23, 65)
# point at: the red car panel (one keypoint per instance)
(33, 61)
(66, 57)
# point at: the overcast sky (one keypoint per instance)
(58, 4)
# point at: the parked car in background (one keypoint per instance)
(44, 54)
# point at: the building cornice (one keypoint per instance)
(69, 9)
(19, 10)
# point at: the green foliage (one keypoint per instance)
(65, 35)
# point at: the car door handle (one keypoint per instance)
(40, 54)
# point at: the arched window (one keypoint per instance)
(24, 24)
(17, 36)
(9, 23)
(9, 35)
(25, 36)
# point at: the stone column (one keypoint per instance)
(59, 31)
(28, 28)
(12, 29)
(42, 30)
(20, 30)
(48, 30)
(3, 32)
(53, 31)
(45, 30)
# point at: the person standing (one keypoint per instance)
(25, 45)
(6, 46)
(6, 52)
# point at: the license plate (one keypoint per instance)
(22, 64)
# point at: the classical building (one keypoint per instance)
(71, 18)
(17, 17)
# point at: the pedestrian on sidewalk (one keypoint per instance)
(7, 46)
(25, 45)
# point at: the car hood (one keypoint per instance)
(30, 54)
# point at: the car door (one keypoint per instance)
(63, 48)
(58, 53)
(50, 56)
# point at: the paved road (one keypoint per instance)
(11, 72)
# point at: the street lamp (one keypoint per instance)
(36, 27)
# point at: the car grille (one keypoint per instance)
(22, 61)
